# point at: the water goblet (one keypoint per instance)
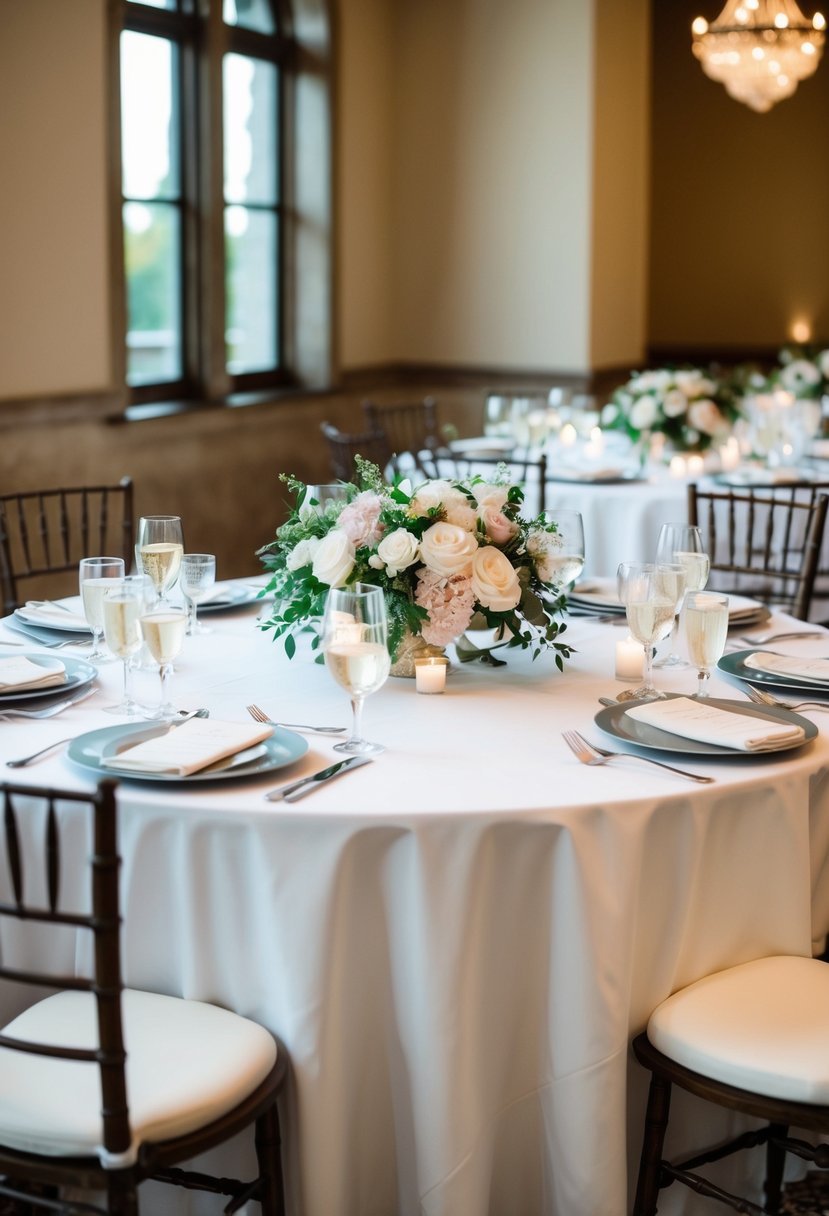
(196, 577)
(564, 551)
(355, 646)
(158, 550)
(123, 605)
(647, 591)
(682, 543)
(163, 630)
(705, 619)
(95, 575)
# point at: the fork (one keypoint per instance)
(259, 715)
(765, 698)
(588, 753)
(761, 639)
(49, 712)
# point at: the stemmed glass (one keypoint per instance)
(158, 551)
(564, 562)
(355, 644)
(682, 543)
(705, 618)
(647, 591)
(163, 631)
(197, 576)
(124, 603)
(318, 497)
(95, 576)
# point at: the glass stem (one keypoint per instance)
(704, 676)
(191, 616)
(165, 671)
(357, 711)
(648, 670)
(128, 681)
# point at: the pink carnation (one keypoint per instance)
(449, 602)
(360, 519)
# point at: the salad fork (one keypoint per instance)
(259, 715)
(588, 753)
(760, 639)
(759, 697)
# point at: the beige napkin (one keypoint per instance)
(709, 724)
(816, 671)
(53, 618)
(740, 606)
(20, 673)
(186, 749)
(221, 593)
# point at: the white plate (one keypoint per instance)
(735, 665)
(52, 624)
(77, 671)
(482, 445)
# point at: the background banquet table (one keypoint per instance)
(456, 942)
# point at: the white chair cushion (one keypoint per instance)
(188, 1063)
(761, 1026)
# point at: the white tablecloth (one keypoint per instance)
(457, 942)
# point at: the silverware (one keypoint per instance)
(588, 753)
(259, 715)
(48, 643)
(295, 789)
(22, 761)
(49, 711)
(47, 604)
(759, 697)
(762, 638)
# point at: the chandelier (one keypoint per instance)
(759, 50)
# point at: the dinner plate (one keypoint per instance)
(45, 633)
(761, 479)
(235, 597)
(78, 673)
(614, 721)
(32, 620)
(735, 665)
(613, 477)
(282, 748)
(482, 445)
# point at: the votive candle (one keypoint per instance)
(630, 659)
(696, 466)
(678, 466)
(430, 674)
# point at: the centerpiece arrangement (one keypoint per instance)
(803, 371)
(451, 556)
(690, 408)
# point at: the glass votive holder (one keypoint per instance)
(630, 659)
(430, 674)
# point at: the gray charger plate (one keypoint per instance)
(283, 747)
(614, 721)
(78, 673)
(735, 665)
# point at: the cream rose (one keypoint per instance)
(302, 553)
(429, 496)
(704, 416)
(674, 403)
(487, 495)
(334, 559)
(398, 551)
(447, 549)
(644, 412)
(494, 581)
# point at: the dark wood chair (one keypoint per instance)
(410, 428)
(751, 1039)
(45, 533)
(529, 471)
(103, 1087)
(343, 446)
(762, 543)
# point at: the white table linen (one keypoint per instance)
(456, 942)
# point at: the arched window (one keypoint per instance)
(210, 131)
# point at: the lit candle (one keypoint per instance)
(630, 659)
(696, 466)
(679, 467)
(730, 454)
(430, 674)
(568, 435)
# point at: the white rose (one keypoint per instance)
(302, 553)
(799, 374)
(823, 363)
(334, 558)
(494, 581)
(447, 549)
(644, 413)
(429, 496)
(487, 495)
(458, 511)
(397, 551)
(648, 382)
(704, 416)
(610, 413)
(674, 403)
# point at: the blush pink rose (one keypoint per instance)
(360, 519)
(498, 527)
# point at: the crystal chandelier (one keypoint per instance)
(759, 50)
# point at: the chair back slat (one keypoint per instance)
(46, 1049)
(52, 858)
(13, 850)
(47, 532)
(409, 426)
(343, 446)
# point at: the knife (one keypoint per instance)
(298, 789)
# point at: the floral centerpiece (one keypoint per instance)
(450, 556)
(690, 408)
(803, 371)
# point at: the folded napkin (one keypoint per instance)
(740, 607)
(608, 474)
(816, 671)
(598, 593)
(221, 593)
(709, 724)
(52, 617)
(20, 673)
(186, 749)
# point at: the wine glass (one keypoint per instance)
(682, 543)
(123, 605)
(158, 551)
(705, 618)
(318, 497)
(196, 577)
(163, 630)
(355, 645)
(564, 556)
(94, 578)
(647, 591)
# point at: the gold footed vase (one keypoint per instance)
(411, 648)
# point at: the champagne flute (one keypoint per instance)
(124, 603)
(682, 543)
(705, 618)
(647, 592)
(163, 630)
(158, 551)
(565, 556)
(355, 645)
(196, 577)
(95, 576)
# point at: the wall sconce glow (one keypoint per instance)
(759, 49)
(801, 331)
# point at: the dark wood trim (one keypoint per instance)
(52, 411)
(707, 356)
(117, 275)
